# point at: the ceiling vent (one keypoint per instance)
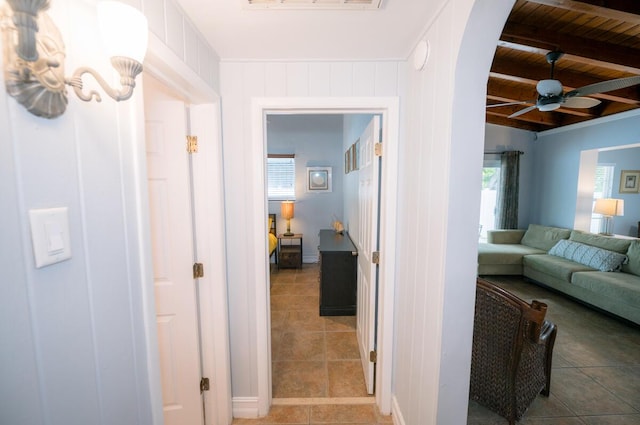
(314, 4)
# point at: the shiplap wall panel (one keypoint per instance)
(191, 46)
(298, 81)
(175, 29)
(234, 174)
(275, 79)
(241, 81)
(387, 78)
(168, 21)
(342, 79)
(319, 79)
(364, 77)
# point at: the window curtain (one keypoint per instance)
(507, 202)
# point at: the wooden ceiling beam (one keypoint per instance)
(503, 68)
(592, 52)
(507, 122)
(620, 10)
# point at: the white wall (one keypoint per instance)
(498, 139)
(240, 83)
(557, 159)
(316, 141)
(75, 350)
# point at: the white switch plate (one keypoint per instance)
(50, 235)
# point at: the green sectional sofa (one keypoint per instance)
(601, 271)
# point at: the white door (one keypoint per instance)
(367, 240)
(170, 205)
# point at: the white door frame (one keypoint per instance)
(389, 108)
(205, 120)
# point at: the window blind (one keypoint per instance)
(281, 177)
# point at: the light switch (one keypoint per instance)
(50, 235)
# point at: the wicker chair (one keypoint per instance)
(512, 351)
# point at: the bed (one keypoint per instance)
(273, 240)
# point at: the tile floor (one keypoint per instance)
(596, 367)
(595, 378)
(317, 375)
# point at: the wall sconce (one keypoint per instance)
(34, 54)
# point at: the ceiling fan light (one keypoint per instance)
(548, 107)
(549, 87)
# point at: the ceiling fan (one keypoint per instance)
(551, 97)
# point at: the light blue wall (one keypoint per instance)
(557, 161)
(316, 141)
(498, 139)
(624, 159)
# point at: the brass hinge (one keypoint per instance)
(198, 270)
(377, 149)
(375, 257)
(204, 385)
(373, 356)
(192, 144)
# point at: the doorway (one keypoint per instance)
(388, 108)
(317, 355)
(191, 313)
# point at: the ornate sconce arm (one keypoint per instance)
(126, 67)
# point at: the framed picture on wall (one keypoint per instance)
(629, 181)
(347, 161)
(355, 153)
(318, 179)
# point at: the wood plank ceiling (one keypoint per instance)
(601, 41)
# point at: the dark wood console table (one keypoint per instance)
(338, 274)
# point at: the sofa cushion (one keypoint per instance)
(633, 266)
(592, 256)
(544, 237)
(504, 253)
(558, 267)
(606, 242)
(621, 286)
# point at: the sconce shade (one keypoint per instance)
(124, 30)
(609, 207)
(287, 210)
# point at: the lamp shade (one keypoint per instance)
(609, 207)
(286, 209)
(124, 30)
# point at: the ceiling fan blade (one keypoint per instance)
(604, 86)
(522, 102)
(522, 111)
(581, 102)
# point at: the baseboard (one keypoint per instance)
(396, 414)
(244, 407)
(310, 259)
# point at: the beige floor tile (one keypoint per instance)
(299, 379)
(343, 414)
(624, 381)
(340, 323)
(300, 346)
(342, 346)
(346, 379)
(612, 420)
(294, 302)
(304, 321)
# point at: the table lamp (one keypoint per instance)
(286, 209)
(608, 208)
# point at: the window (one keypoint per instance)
(490, 181)
(602, 189)
(281, 177)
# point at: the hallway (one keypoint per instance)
(312, 356)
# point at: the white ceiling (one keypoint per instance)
(236, 32)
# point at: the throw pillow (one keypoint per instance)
(592, 256)
(633, 253)
(544, 237)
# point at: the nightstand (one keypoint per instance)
(290, 251)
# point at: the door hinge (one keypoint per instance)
(377, 149)
(198, 270)
(192, 144)
(204, 385)
(373, 356)
(375, 257)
